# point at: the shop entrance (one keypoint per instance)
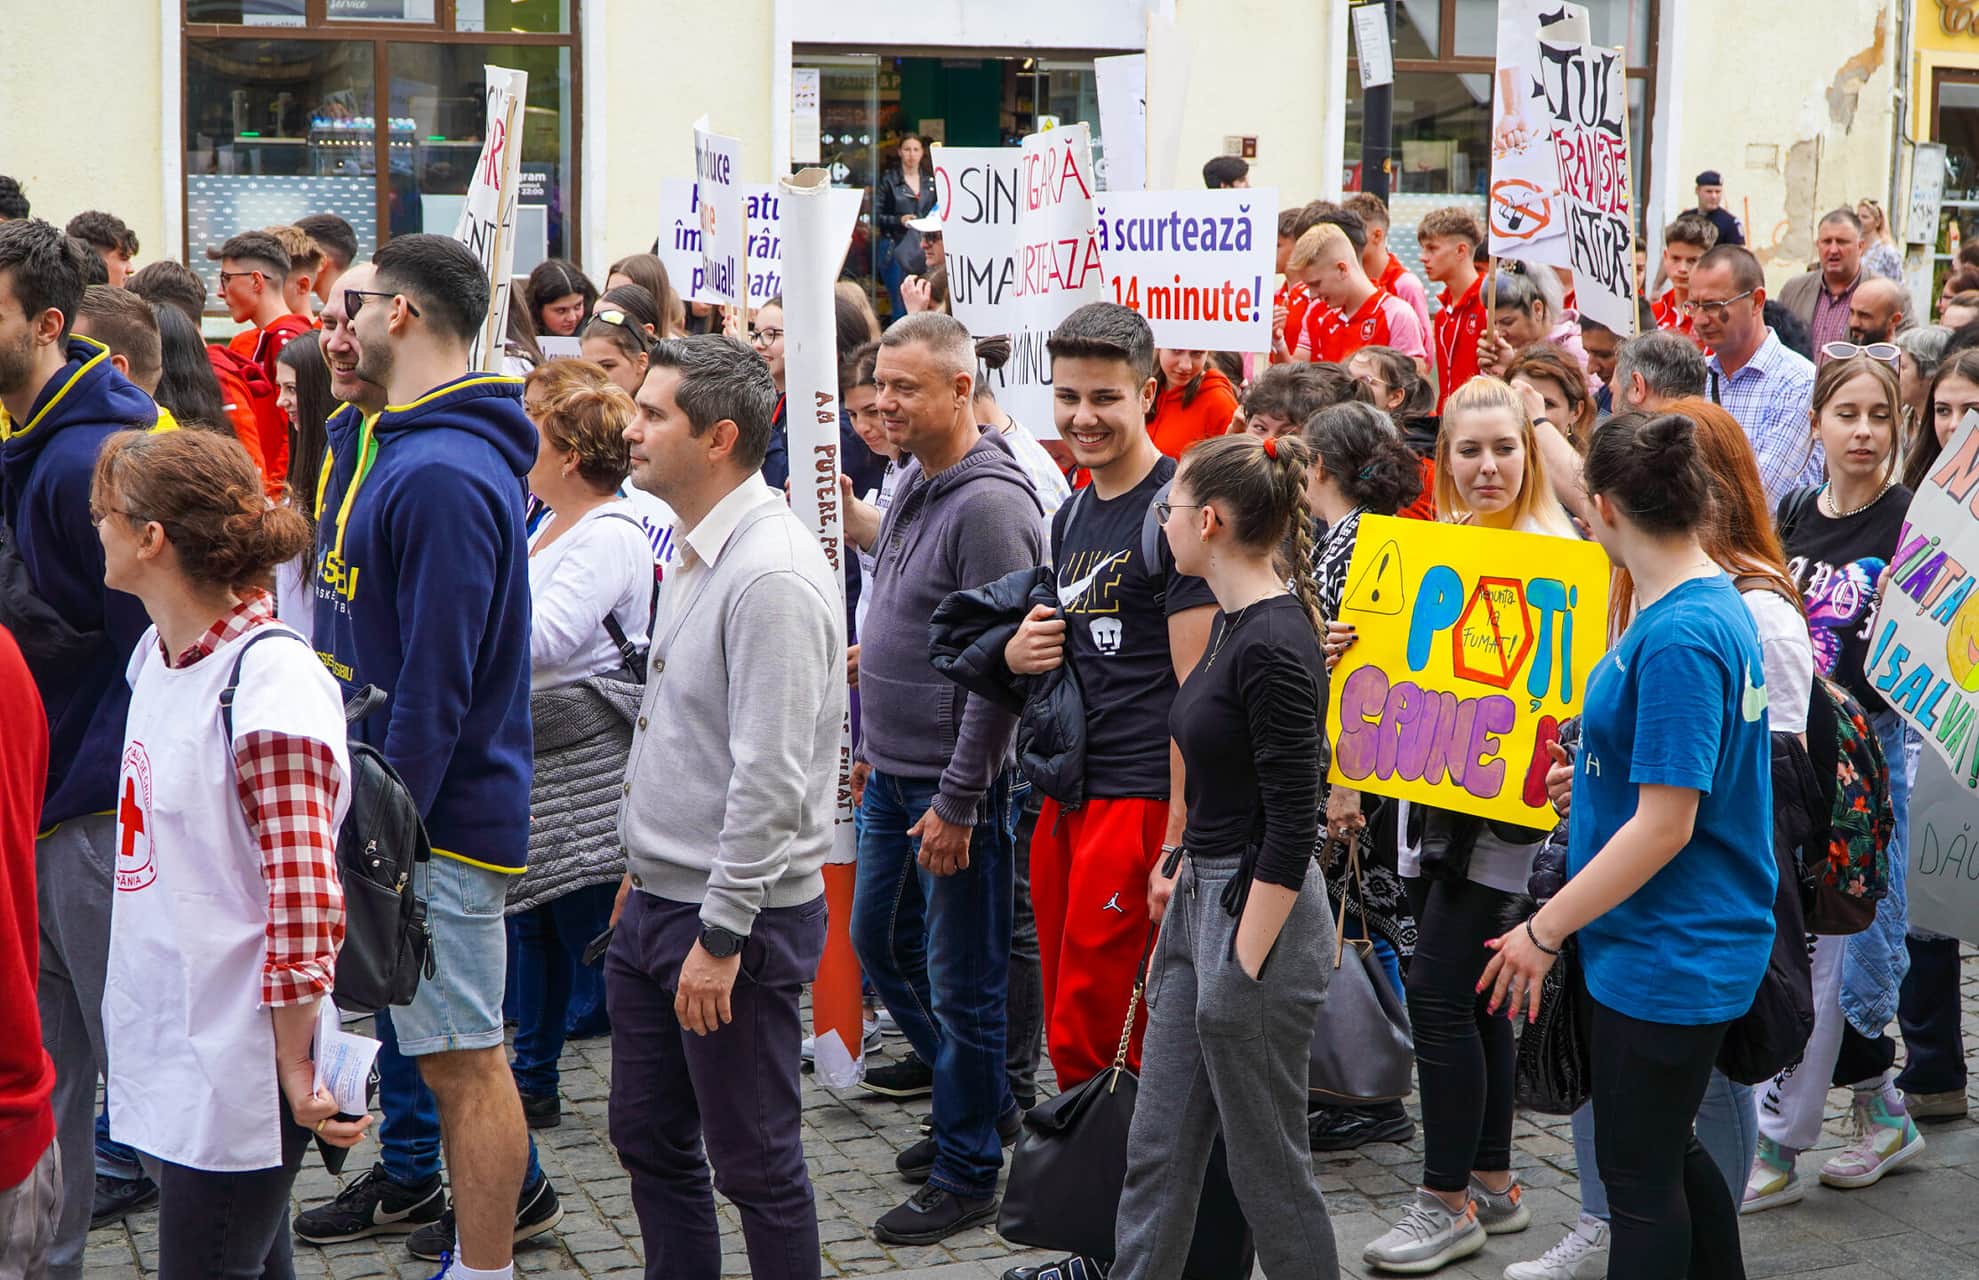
(868, 102)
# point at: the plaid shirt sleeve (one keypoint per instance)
(288, 788)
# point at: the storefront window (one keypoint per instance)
(276, 129)
(438, 89)
(281, 127)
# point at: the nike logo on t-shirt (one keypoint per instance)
(1071, 593)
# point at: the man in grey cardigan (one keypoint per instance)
(729, 798)
(931, 913)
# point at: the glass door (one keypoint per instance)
(850, 141)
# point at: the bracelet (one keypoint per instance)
(1171, 857)
(1551, 951)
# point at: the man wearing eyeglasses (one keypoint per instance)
(1767, 387)
(253, 268)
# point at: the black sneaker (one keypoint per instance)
(542, 1112)
(536, 1212)
(373, 1205)
(1345, 1128)
(932, 1215)
(908, 1078)
(118, 1198)
(1072, 1268)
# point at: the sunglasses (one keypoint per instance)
(1163, 510)
(357, 297)
(1886, 352)
(625, 322)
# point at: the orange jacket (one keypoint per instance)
(1175, 427)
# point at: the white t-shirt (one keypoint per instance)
(603, 565)
(1050, 483)
(1788, 655)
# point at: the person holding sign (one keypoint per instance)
(1242, 965)
(1670, 862)
(228, 915)
(1462, 876)
(1839, 538)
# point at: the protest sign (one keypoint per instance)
(762, 205)
(1473, 645)
(1121, 85)
(1942, 880)
(810, 361)
(718, 187)
(1023, 249)
(1586, 95)
(1924, 644)
(1526, 218)
(1193, 263)
(487, 217)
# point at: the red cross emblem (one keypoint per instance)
(135, 867)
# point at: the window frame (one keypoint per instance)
(380, 35)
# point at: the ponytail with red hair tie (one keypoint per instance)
(1271, 448)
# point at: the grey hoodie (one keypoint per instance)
(967, 526)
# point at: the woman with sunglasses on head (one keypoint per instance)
(1672, 876)
(619, 336)
(1241, 965)
(1489, 473)
(1839, 537)
(228, 913)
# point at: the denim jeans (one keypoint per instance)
(938, 951)
(550, 942)
(1728, 1129)
(409, 1136)
(113, 1158)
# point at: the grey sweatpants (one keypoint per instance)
(1226, 1054)
(28, 1211)
(72, 867)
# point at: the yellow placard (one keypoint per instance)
(1473, 645)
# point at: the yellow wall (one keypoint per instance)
(81, 109)
(1797, 120)
(652, 95)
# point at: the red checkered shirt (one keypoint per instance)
(288, 790)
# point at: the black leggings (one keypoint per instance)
(1669, 1207)
(1463, 1054)
(229, 1226)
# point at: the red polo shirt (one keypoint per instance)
(1669, 315)
(1384, 320)
(1458, 327)
(1293, 296)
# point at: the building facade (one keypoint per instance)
(207, 116)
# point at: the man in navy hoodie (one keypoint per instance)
(422, 589)
(60, 398)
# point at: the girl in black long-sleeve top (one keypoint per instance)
(1241, 966)
(906, 190)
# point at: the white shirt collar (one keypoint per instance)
(703, 544)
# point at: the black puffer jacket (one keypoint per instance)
(966, 639)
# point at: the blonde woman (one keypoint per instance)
(1880, 254)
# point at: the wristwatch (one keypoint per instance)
(721, 943)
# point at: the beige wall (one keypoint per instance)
(81, 137)
(1797, 119)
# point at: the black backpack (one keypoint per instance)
(387, 948)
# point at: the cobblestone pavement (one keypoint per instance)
(1917, 1223)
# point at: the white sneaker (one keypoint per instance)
(1582, 1254)
(1428, 1238)
(884, 1020)
(808, 1050)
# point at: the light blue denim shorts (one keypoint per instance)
(460, 1006)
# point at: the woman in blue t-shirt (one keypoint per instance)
(1670, 855)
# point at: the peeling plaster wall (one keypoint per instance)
(1794, 109)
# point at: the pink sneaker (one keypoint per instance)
(1883, 1140)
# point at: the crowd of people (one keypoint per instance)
(615, 668)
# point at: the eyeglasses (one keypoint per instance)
(760, 338)
(1887, 352)
(358, 296)
(97, 515)
(1714, 310)
(234, 275)
(1163, 510)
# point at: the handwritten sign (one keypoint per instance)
(718, 179)
(680, 237)
(1194, 263)
(1924, 644)
(1021, 230)
(1474, 644)
(1942, 880)
(487, 218)
(1586, 91)
(1526, 220)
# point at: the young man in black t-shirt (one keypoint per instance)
(1131, 630)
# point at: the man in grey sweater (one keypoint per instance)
(729, 800)
(931, 914)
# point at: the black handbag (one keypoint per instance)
(1554, 1071)
(1362, 1049)
(1071, 1164)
